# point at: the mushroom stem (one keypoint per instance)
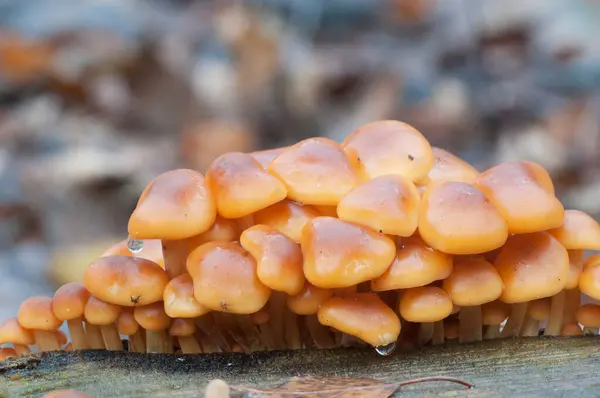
(438, 333)
(572, 302)
(470, 324)
(319, 333)
(155, 341)
(94, 337)
(557, 310)
(292, 333)
(214, 337)
(46, 340)
(586, 331)
(276, 312)
(531, 328)
(175, 254)
(267, 336)
(252, 334)
(425, 333)
(21, 349)
(189, 345)
(168, 343)
(77, 332)
(515, 320)
(491, 332)
(228, 325)
(136, 342)
(111, 337)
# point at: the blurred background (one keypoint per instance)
(99, 96)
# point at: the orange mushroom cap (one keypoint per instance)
(12, 332)
(70, 300)
(36, 313)
(589, 280)
(241, 186)
(152, 316)
(532, 266)
(287, 217)
(457, 218)
(308, 301)
(389, 147)
(182, 327)
(278, 258)
(260, 318)
(588, 315)
(126, 281)
(425, 304)
(98, 312)
(494, 313)
(225, 278)
(524, 194)
(474, 281)
(415, 265)
(363, 315)
(179, 299)
(341, 254)
(449, 167)
(223, 230)
(126, 324)
(7, 352)
(315, 171)
(575, 268)
(388, 204)
(152, 250)
(265, 157)
(539, 309)
(579, 231)
(175, 205)
(571, 329)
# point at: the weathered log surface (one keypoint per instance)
(534, 367)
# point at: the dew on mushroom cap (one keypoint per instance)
(179, 299)
(449, 167)
(152, 250)
(287, 217)
(308, 301)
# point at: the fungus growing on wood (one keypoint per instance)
(36, 314)
(287, 217)
(68, 305)
(12, 332)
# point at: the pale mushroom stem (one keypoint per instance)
(77, 332)
(438, 333)
(572, 302)
(175, 254)
(470, 324)
(136, 342)
(251, 332)
(111, 337)
(491, 332)
(214, 337)
(168, 343)
(515, 320)
(531, 328)
(155, 341)
(319, 333)
(189, 345)
(94, 337)
(46, 340)
(277, 307)
(426, 330)
(21, 349)
(292, 333)
(267, 335)
(557, 310)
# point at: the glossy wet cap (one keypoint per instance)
(494, 313)
(309, 300)
(126, 281)
(425, 304)
(448, 167)
(389, 147)
(387, 204)
(474, 281)
(524, 194)
(578, 232)
(175, 205)
(457, 218)
(98, 312)
(182, 327)
(539, 309)
(241, 186)
(126, 323)
(588, 315)
(266, 156)
(341, 254)
(36, 313)
(151, 250)
(12, 332)
(416, 264)
(179, 299)
(532, 266)
(225, 278)
(315, 171)
(152, 316)
(70, 300)
(363, 315)
(287, 217)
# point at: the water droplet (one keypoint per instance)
(386, 349)
(134, 245)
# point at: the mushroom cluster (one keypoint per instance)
(382, 240)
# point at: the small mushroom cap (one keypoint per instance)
(363, 315)
(126, 324)
(539, 309)
(578, 232)
(12, 332)
(308, 301)
(389, 147)
(571, 329)
(588, 315)
(266, 156)
(223, 230)
(36, 313)
(287, 217)
(341, 254)
(67, 394)
(69, 301)
(449, 167)
(425, 304)
(98, 312)
(182, 327)
(152, 250)
(494, 312)
(260, 318)
(7, 352)
(575, 268)
(474, 281)
(532, 266)
(179, 299)
(415, 265)
(457, 218)
(589, 281)
(175, 205)
(278, 258)
(524, 194)
(315, 171)
(123, 280)
(388, 204)
(225, 278)
(152, 316)
(241, 186)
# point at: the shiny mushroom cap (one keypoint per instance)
(179, 299)
(588, 315)
(12, 332)
(388, 204)
(315, 171)
(589, 281)
(152, 250)
(309, 300)
(126, 323)
(532, 266)
(474, 281)
(265, 157)
(152, 316)
(539, 309)
(241, 186)
(287, 217)
(494, 313)
(578, 232)
(175, 205)
(425, 304)
(457, 218)
(36, 313)
(69, 301)
(341, 254)
(448, 167)
(182, 327)
(98, 312)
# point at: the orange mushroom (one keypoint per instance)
(579, 231)
(68, 305)
(537, 312)
(589, 281)
(151, 250)
(36, 314)
(287, 217)
(588, 315)
(179, 299)
(265, 157)
(223, 230)
(449, 167)
(100, 313)
(128, 326)
(309, 300)
(12, 332)
(153, 318)
(493, 314)
(184, 329)
(425, 305)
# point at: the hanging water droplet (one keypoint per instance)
(386, 349)
(134, 245)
